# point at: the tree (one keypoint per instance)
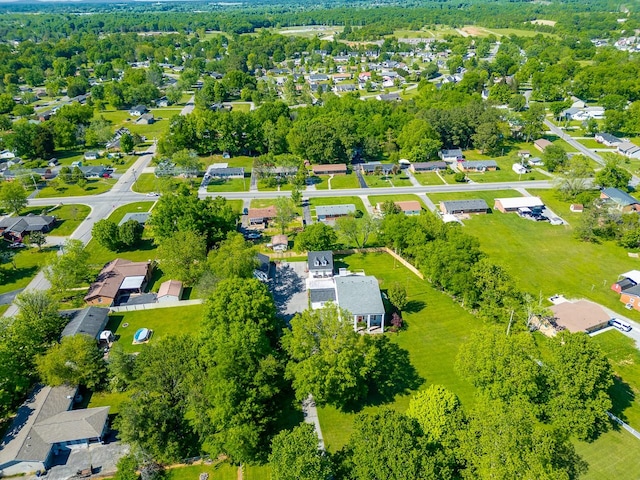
(234, 258)
(328, 359)
(554, 156)
(574, 178)
(121, 368)
(316, 237)
(127, 468)
(296, 196)
(295, 455)
(439, 413)
(285, 212)
(613, 175)
(580, 376)
(13, 197)
(6, 103)
(487, 137)
(38, 238)
(130, 233)
(126, 143)
(105, 232)
(357, 231)
(405, 455)
(398, 296)
(533, 121)
(69, 270)
(183, 255)
(76, 360)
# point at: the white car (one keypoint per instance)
(153, 194)
(17, 245)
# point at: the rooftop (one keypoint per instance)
(331, 210)
(140, 217)
(320, 260)
(520, 202)
(359, 294)
(579, 316)
(469, 205)
(170, 287)
(619, 197)
(89, 321)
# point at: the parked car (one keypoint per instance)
(17, 245)
(252, 236)
(620, 324)
(153, 194)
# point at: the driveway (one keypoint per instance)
(103, 458)
(289, 290)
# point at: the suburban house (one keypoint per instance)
(91, 155)
(45, 426)
(619, 200)
(330, 169)
(89, 321)
(389, 97)
(138, 110)
(629, 149)
(524, 154)
(374, 167)
(506, 205)
(320, 264)
(478, 166)
(329, 213)
(117, 277)
(535, 162)
(145, 119)
(452, 155)
(140, 217)
(360, 296)
(460, 207)
(14, 229)
(541, 144)
(607, 139)
(221, 170)
(580, 316)
(170, 291)
(162, 102)
(519, 168)
(97, 171)
(631, 297)
(7, 155)
(280, 243)
(408, 207)
(420, 167)
(261, 216)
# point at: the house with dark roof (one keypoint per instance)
(628, 149)
(459, 207)
(374, 167)
(261, 216)
(320, 264)
(14, 229)
(138, 110)
(478, 166)
(451, 155)
(45, 426)
(388, 97)
(607, 139)
(420, 167)
(329, 213)
(360, 296)
(146, 119)
(619, 200)
(226, 172)
(89, 321)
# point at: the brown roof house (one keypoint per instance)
(118, 276)
(170, 291)
(330, 169)
(541, 144)
(580, 316)
(261, 216)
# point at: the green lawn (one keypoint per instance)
(263, 187)
(625, 359)
(69, 217)
(257, 472)
(429, 178)
(591, 143)
(163, 321)
(28, 262)
(505, 172)
(93, 187)
(375, 199)
(239, 161)
(220, 471)
(350, 180)
(262, 202)
(436, 328)
(231, 185)
(108, 399)
(315, 202)
(380, 181)
(613, 455)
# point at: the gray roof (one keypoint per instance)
(72, 425)
(140, 217)
(451, 152)
(225, 172)
(429, 165)
(479, 164)
(89, 321)
(607, 137)
(28, 223)
(331, 210)
(465, 205)
(21, 442)
(619, 197)
(359, 295)
(371, 167)
(322, 295)
(320, 260)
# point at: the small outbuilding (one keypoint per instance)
(280, 243)
(170, 291)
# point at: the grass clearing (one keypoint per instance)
(239, 161)
(257, 472)
(107, 399)
(68, 217)
(350, 180)
(93, 187)
(429, 178)
(613, 455)
(381, 181)
(436, 327)
(230, 185)
(316, 202)
(217, 471)
(163, 321)
(375, 199)
(28, 262)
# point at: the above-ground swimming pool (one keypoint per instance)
(142, 335)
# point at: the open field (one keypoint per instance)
(476, 31)
(221, 471)
(93, 187)
(350, 180)
(374, 199)
(430, 178)
(381, 181)
(28, 261)
(163, 321)
(257, 472)
(436, 327)
(311, 30)
(546, 258)
(68, 217)
(613, 455)
(231, 185)
(316, 202)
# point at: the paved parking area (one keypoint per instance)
(104, 459)
(289, 290)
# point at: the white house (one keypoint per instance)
(519, 168)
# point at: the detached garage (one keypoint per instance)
(506, 205)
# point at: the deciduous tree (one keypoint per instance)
(183, 255)
(13, 197)
(295, 455)
(315, 237)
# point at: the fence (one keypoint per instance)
(628, 428)
(151, 306)
(404, 262)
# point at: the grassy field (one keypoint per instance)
(316, 202)
(107, 399)
(93, 187)
(505, 173)
(349, 180)
(375, 199)
(546, 258)
(28, 262)
(163, 321)
(429, 179)
(69, 217)
(613, 455)
(220, 471)
(380, 181)
(239, 161)
(257, 472)
(436, 327)
(231, 185)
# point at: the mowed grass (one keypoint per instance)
(316, 202)
(164, 322)
(257, 472)
(350, 180)
(230, 185)
(615, 455)
(375, 199)
(430, 178)
(28, 262)
(545, 258)
(220, 471)
(436, 327)
(68, 217)
(94, 187)
(381, 181)
(108, 399)
(625, 359)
